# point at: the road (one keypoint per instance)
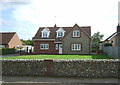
(25, 80)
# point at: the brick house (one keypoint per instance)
(63, 40)
(9, 40)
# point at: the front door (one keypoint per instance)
(60, 48)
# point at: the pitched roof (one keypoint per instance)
(53, 30)
(110, 36)
(6, 37)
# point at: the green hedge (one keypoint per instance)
(5, 51)
(107, 44)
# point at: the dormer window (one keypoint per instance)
(45, 33)
(60, 32)
(76, 33)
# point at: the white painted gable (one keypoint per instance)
(60, 30)
(45, 30)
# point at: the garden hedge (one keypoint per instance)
(5, 51)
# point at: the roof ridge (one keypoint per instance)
(63, 27)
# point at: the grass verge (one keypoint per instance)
(60, 57)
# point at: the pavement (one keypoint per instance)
(28, 80)
(10, 55)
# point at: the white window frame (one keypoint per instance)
(60, 32)
(76, 33)
(76, 47)
(45, 33)
(44, 46)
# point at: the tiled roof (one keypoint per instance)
(114, 34)
(53, 30)
(5, 37)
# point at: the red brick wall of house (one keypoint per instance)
(51, 50)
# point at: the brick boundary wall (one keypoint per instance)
(98, 68)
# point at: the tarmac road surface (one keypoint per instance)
(25, 80)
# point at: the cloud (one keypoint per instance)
(101, 15)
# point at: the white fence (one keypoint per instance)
(112, 51)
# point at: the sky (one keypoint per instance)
(26, 16)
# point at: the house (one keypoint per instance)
(114, 37)
(63, 40)
(10, 40)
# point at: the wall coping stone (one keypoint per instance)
(60, 59)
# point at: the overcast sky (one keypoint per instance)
(26, 17)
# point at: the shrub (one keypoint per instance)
(107, 44)
(5, 51)
(100, 42)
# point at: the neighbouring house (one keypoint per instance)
(63, 40)
(113, 38)
(112, 43)
(10, 40)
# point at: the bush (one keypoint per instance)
(100, 42)
(107, 44)
(5, 51)
(95, 46)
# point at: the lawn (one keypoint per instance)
(60, 57)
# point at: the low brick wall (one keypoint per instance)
(62, 68)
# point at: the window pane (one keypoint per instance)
(45, 34)
(41, 46)
(72, 46)
(76, 46)
(60, 34)
(77, 33)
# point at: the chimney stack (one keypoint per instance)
(55, 25)
(118, 28)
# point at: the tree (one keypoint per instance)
(96, 38)
(28, 42)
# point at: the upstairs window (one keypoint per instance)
(76, 33)
(60, 32)
(76, 47)
(45, 33)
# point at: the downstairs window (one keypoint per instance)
(44, 46)
(76, 47)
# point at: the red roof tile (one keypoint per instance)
(6, 37)
(86, 29)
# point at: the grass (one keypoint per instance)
(60, 57)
